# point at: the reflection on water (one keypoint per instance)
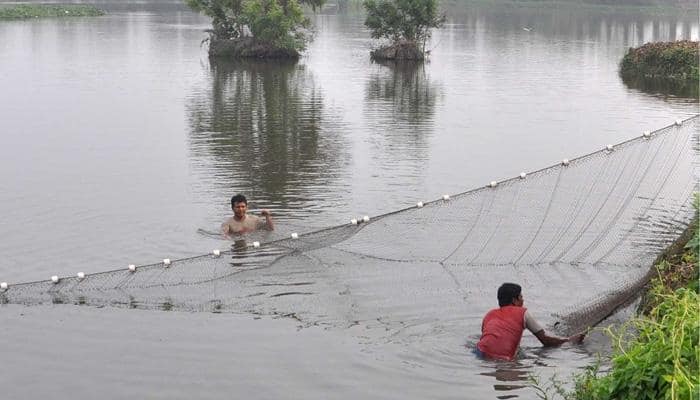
(261, 128)
(597, 24)
(509, 377)
(407, 88)
(401, 100)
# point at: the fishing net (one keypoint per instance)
(579, 236)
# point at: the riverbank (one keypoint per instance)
(22, 11)
(657, 353)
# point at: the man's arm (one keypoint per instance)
(533, 326)
(226, 230)
(269, 225)
(549, 341)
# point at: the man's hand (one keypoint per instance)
(269, 225)
(577, 338)
(226, 230)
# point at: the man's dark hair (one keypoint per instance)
(507, 293)
(239, 198)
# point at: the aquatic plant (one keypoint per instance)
(406, 23)
(256, 28)
(668, 60)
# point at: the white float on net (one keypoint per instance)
(353, 221)
(523, 175)
(565, 161)
(295, 235)
(54, 279)
(419, 204)
(81, 275)
(365, 218)
(216, 252)
(679, 122)
(166, 262)
(647, 134)
(3, 285)
(445, 197)
(609, 147)
(493, 184)
(256, 244)
(132, 268)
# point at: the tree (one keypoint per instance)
(273, 23)
(403, 20)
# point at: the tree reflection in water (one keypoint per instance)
(260, 128)
(663, 87)
(403, 100)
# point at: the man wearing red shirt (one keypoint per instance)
(502, 328)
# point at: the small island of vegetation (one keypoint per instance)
(22, 11)
(662, 60)
(256, 28)
(405, 24)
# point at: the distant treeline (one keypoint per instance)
(660, 3)
(654, 4)
(22, 11)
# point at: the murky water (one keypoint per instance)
(121, 142)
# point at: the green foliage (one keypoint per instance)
(19, 11)
(277, 22)
(657, 355)
(271, 23)
(671, 60)
(225, 15)
(402, 20)
(661, 362)
(693, 244)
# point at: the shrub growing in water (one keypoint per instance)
(256, 28)
(669, 60)
(406, 23)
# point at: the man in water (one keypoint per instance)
(502, 328)
(242, 222)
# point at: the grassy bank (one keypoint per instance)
(662, 60)
(657, 355)
(21, 11)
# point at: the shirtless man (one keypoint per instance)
(503, 327)
(241, 222)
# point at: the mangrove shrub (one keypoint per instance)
(664, 60)
(406, 24)
(256, 28)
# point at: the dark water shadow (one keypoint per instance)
(510, 377)
(663, 88)
(402, 99)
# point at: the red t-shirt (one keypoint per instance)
(501, 332)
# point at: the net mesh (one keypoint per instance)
(579, 236)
